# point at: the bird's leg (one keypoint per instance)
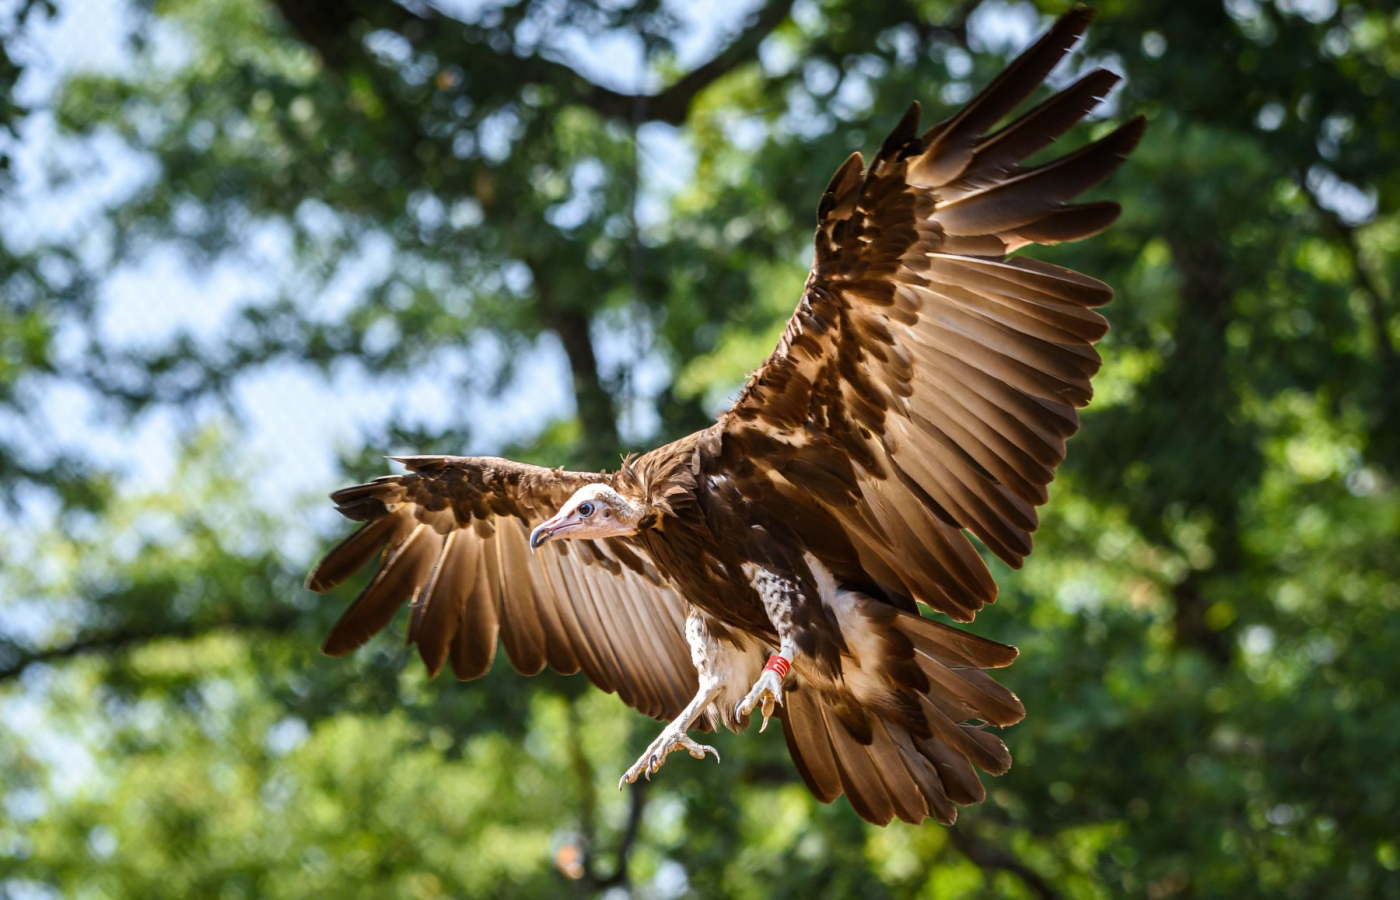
(704, 652)
(767, 691)
(673, 737)
(779, 595)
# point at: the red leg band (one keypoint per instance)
(776, 663)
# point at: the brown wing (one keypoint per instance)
(926, 383)
(455, 538)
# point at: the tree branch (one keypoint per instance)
(1189, 627)
(118, 639)
(672, 105)
(583, 775)
(597, 411)
(1377, 305)
(637, 800)
(331, 29)
(998, 859)
(588, 813)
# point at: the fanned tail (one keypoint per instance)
(904, 730)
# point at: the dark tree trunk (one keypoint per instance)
(1222, 462)
(597, 413)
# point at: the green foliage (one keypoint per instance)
(1209, 625)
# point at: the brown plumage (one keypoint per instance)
(923, 391)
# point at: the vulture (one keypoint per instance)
(777, 561)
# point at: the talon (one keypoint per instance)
(768, 705)
(766, 695)
(654, 758)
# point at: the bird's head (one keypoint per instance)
(594, 511)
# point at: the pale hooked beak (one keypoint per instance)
(543, 532)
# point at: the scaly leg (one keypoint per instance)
(703, 650)
(673, 737)
(767, 691)
(779, 595)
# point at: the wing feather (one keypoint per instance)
(454, 534)
(1033, 132)
(577, 619)
(439, 606)
(859, 779)
(404, 567)
(900, 785)
(522, 634)
(474, 647)
(943, 374)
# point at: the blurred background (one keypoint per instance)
(249, 247)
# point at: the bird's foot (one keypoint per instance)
(767, 691)
(670, 740)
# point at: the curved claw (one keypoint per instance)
(655, 755)
(766, 695)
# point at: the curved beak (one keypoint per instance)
(543, 532)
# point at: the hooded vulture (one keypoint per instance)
(777, 560)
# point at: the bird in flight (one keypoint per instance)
(775, 563)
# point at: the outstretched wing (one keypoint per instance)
(454, 532)
(926, 383)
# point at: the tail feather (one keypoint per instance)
(895, 732)
(859, 775)
(892, 765)
(925, 774)
(805, 733)
(959, 777)
(974, 694)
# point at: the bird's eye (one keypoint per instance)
(585, 509)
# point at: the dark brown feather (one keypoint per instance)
(351, 554)
(949, 144)
(1036, 130)
(406, 566)
(438, 611)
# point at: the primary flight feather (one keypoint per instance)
(775, 561)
